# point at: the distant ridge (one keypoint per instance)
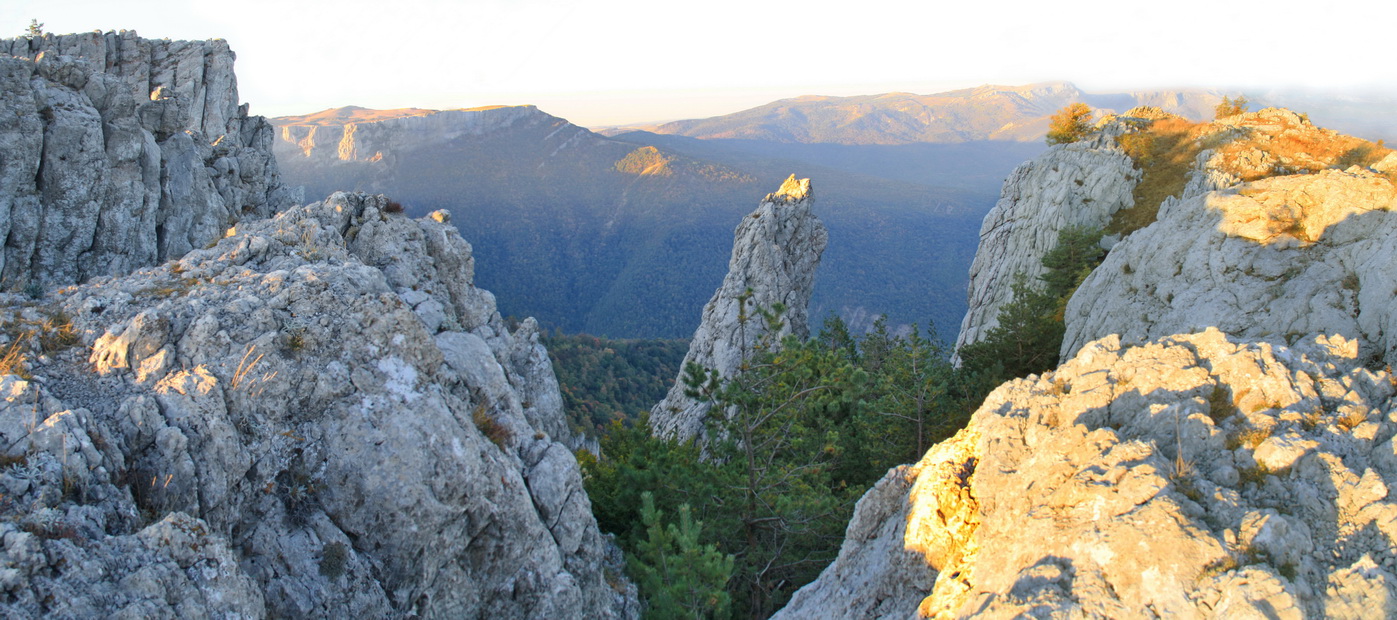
(989, 112)
(578, 230)
(355, 114)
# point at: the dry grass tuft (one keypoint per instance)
(1351, 418)
(57, 333)
(14, 362)
(1295, 148)
(1254, 475)
(1220, 405)
(1247, 436)
(493, 430)
(1249, 148)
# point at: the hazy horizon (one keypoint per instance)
(619, 62)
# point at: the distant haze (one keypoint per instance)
(610, 62)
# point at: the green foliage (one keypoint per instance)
(916, 398)
(333, 557)
(1069, 124)
(35, 29)
(636, 463)
(605, 380)
(1077, 252)
(1231, 107)
(775, 430)
(1030, 329)
(497, 433)
(1025, 341)
(679, 576)
(794, 440)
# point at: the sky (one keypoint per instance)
(611, 62)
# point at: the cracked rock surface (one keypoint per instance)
(122, 152)
(318, 416)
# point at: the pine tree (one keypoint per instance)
(1069, 124)
(35, 29)
(774, 428)
(1030, 329)
(679, 576)
(1230, 107)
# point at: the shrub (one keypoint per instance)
(1069, 124)
(333, 557)
(393, 207)
(679, 576)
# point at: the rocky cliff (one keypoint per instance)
(1071, 185)
(341, 135)
(1276, 180)
(122, 152)
(1218, 441)
(226, 414)
(1276, 259)
(319, 415)
(775, 253)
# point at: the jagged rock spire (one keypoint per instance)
(775, 252)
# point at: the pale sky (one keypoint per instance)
(603, 62)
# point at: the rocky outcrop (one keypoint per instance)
(775, 252)
(1278, 258)
(318, 416)
(1198, 475)
(122, 152)
(1264, 239)
(1218, 442)
(1081, 184)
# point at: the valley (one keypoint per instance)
(342, 364)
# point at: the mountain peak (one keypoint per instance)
(791, 191)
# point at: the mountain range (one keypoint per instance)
(613, 235)
(617, 232)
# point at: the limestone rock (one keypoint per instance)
(123, 152)
(1077, 184)
(775, 253)
(1268, 238)
(381, 137)
(1280, 258)
(317, 416)
(1194, 475)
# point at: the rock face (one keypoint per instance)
(1077, 184)
(319, 416)
(1218, 442)
(1273, 235)
(775, 252)
(1195, 474)
(1277, 258)
(122, 152)
(341, 135)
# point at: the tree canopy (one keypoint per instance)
(1069, 124)
(1231, 107)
